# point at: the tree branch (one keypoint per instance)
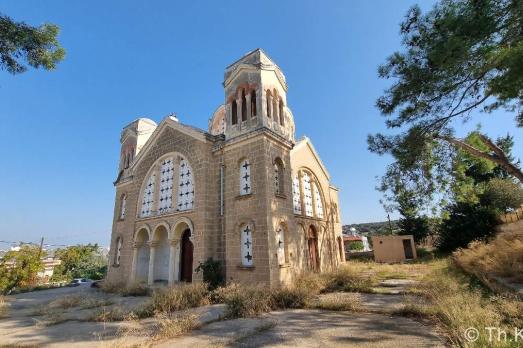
(497, 157)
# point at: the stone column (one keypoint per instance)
(177, 263)
(135, 260)
(173, 261)
(152, 254)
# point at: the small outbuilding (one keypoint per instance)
(392, 249)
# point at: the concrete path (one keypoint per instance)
(312, 328)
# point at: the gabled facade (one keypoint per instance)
(244, 193)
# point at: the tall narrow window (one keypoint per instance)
(148, 196)
(244, 106)
(127, 160)
(275, 107)
(245, 178)
(253, 103)
(282, 115)
(319, 202)
(246, 245)
(268, 96)
(278, 176)
(185, 186)
(234, 111)
(118, 251)
(307, 193)
(123, 202)
(166, 185)
(282, 255)
(296, 197)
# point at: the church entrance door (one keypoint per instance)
(312, 242)
(186, 257)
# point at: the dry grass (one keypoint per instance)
(170, 327)
(180, 297)
(502, 257)
(110, 314)
(133, 289)
(458, 303)
(338, 302)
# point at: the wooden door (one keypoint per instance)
(313, 253)
(186, 258)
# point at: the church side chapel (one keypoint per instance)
(244, 193)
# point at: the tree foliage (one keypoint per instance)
(19, 269)
(80, 261)
(22, 44)
(460, 57)
(502, 195)
(466, 222)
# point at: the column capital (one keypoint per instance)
(174, 242)
(153, 244)
(137, 245)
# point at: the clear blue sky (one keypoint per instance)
(60, 130)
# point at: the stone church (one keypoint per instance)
(244, 192)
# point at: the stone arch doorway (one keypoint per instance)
(142, 255)
(186, 257)
(312, 244)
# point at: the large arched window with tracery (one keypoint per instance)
(307, 193)
(318, 201)
(246, 245)
(169, 187)
(307, 196)
(296, 195)
(148, 196)
(165, 203)
(185, 186)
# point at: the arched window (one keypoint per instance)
(246, 245)
(234, 110)
(296, 196)
(123, 202)
(278, 176)
(282, 115)
(245, 178)
(282, 239)
(185, 186)
(275, 106)
(162, 194)
(117, 251)
(268, 97)
(319, 202)
(307, 193)
(253, 103)
(244, 106)
(166, 185)
(148, 196)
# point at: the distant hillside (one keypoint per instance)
(373, 228)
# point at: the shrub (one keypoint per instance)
(212, 273)
(467, 222)
(356, 245)
(313, 283)
(346, 279)
(247, 301)
(180, 297)
(290, 297)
